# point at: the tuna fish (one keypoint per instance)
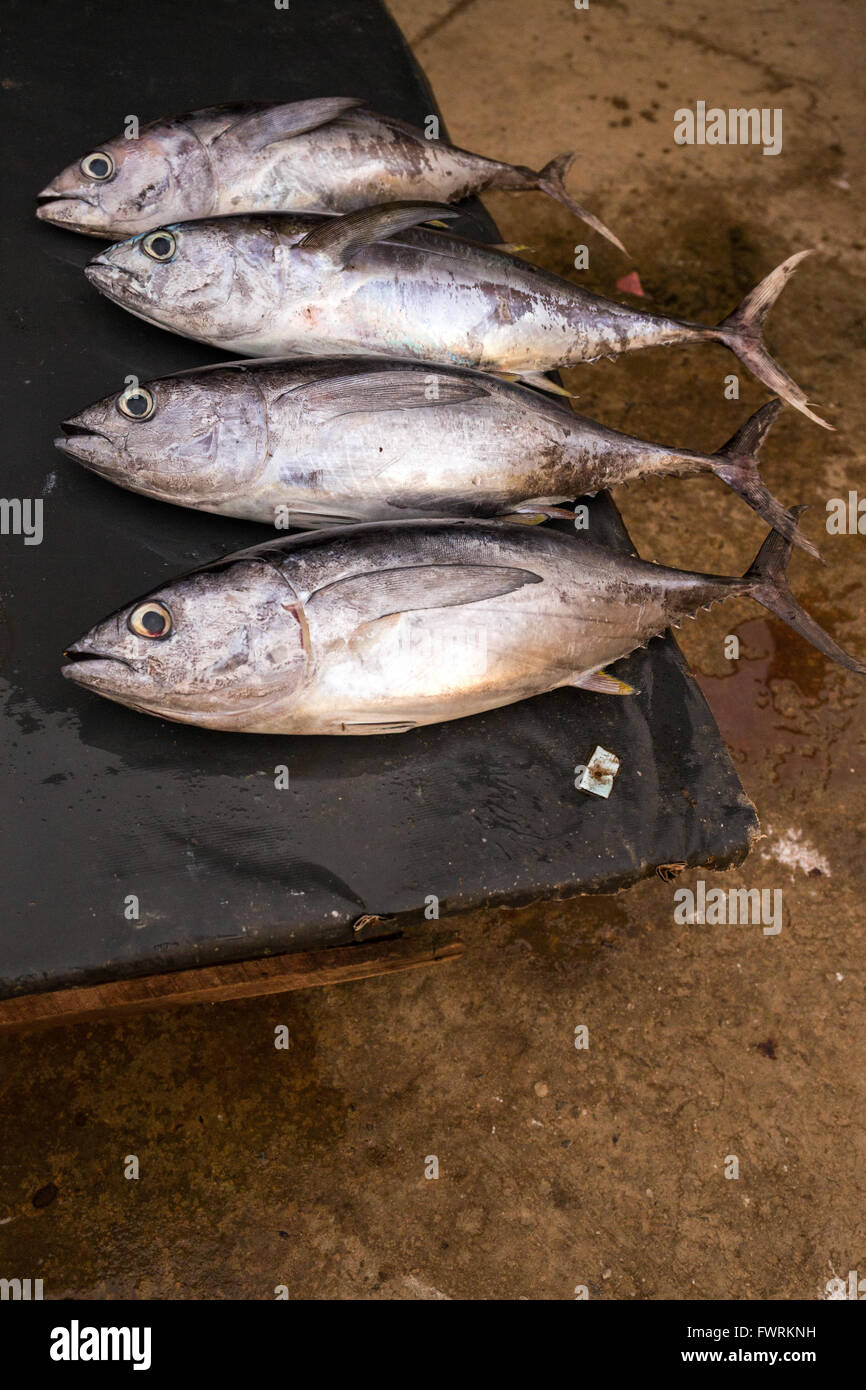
(376, 282)
(319, 441)
(382, 627)
(332, 155)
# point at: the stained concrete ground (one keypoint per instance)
(559, 1167)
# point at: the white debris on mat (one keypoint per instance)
(791, 850)
(598, 774)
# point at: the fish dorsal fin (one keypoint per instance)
(340, 237)
(381, 593)
(275, 123)
(381, 391)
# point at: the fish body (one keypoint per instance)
(381, 628)
(249, 285)
(377, 283)
(332, 155)
(313, 442)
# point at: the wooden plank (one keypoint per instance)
(233, 980)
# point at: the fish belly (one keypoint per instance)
(432, 666)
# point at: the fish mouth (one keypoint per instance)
(97, 672)
(114, 281)
(65, 210)
(76, 654)
(86, 667)
(54, 195)
(89, 446)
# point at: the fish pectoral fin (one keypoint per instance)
(340, 237)
(381, 593)
(604, 684)
(382, 391)
(275, 123)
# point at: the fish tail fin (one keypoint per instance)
(736, 463)
(765, 582)
(741, 332)
(551, 180)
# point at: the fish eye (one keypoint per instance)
(150, 619)
(136, 403)
(98, 165)
(160, 246)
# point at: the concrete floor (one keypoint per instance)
(558, 1167)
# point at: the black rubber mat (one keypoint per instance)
(106, 804)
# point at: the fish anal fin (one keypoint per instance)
(540, 382)
(603, 683)
(363, 726)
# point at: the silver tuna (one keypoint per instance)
(375, 282)
(383, 627)
(318, 441)
(330, 155)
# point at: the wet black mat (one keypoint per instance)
(105, 804)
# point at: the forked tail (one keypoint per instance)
(765, 582)
(551, 180)
(741, 332)
(736, 463)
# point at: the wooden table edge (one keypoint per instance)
(231, 980)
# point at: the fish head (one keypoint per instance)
(221, 647)
(196, 439)
(126, 186)
(215, 280)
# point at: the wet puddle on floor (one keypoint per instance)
(783, 702)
